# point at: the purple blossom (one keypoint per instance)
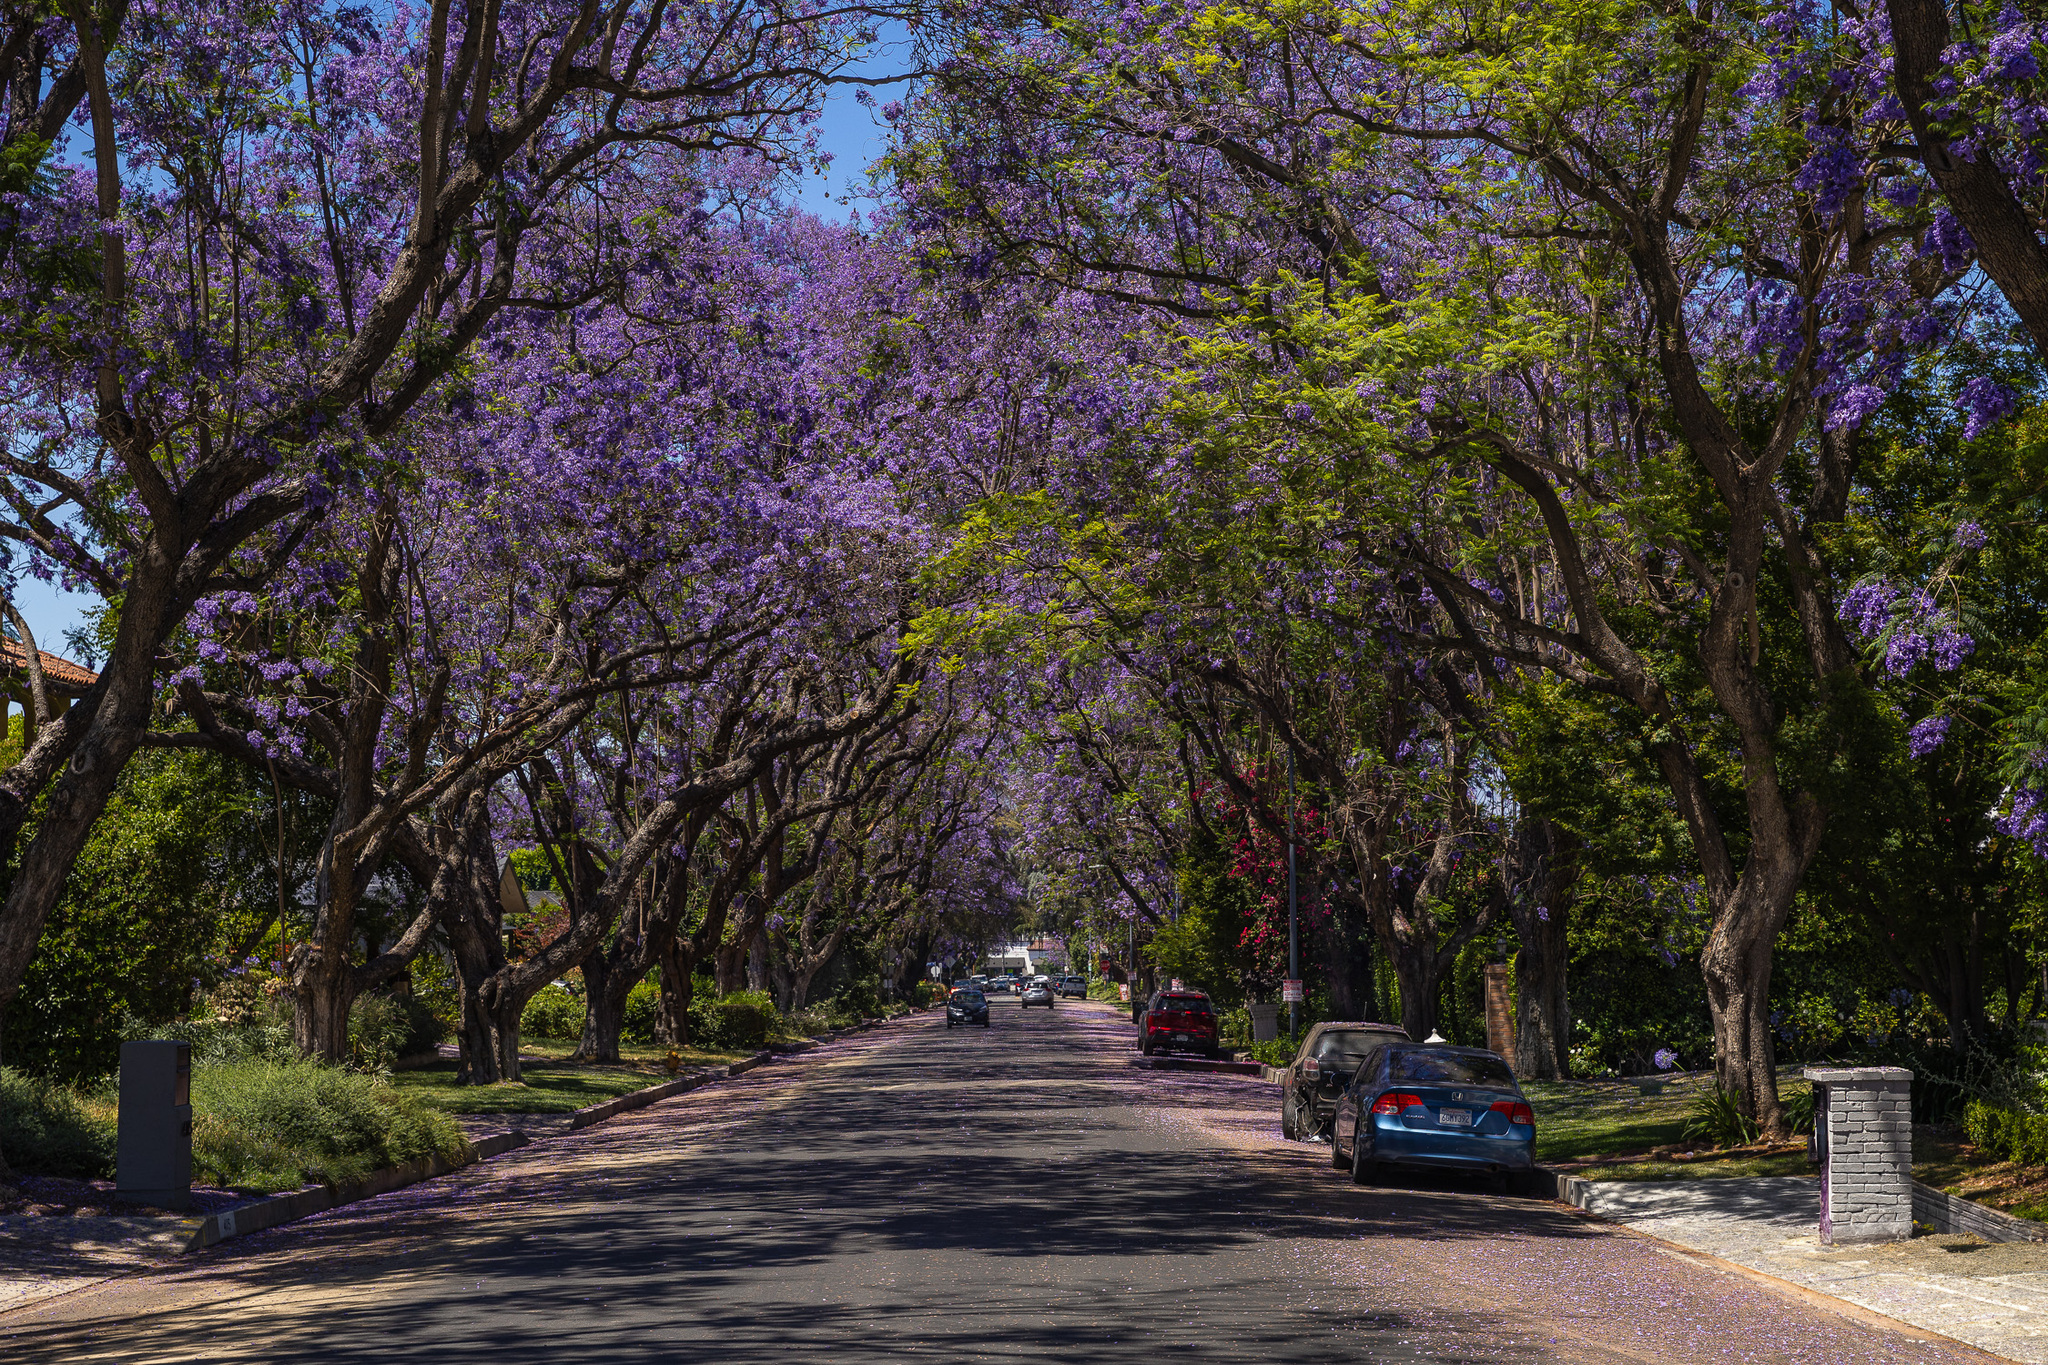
(1925, 737)
(1985, 402)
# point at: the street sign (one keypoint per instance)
(1290, 992)
(1123, 992)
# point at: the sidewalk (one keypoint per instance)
(1993, 1297)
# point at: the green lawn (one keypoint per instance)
(1577, 1120)
(1609, 1121)
(552, 1085)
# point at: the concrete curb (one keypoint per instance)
(1252, 1069)
(259, 1214)
(640, 1099)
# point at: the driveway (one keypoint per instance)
(917, 1194)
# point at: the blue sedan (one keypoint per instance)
(1427, 1105)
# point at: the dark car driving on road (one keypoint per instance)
(1323, 1065)
(966, 1007)
(1432, 1105)
(1178, 1021)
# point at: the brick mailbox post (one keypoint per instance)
(1863, 1139)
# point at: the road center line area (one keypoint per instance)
(925, 1194)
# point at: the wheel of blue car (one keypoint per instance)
(1364, 1170)
(1338, 1161)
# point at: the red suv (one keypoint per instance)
(1178, 1021)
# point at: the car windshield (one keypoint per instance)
(1184, 1004)
(1349, 1048)
(1450, 1068)
(967, 997)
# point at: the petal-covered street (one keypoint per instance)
(925, 1194)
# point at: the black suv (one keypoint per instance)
(1328, 1058)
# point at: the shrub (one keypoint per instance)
(1716, 1116)
(377, 1029)
(643, 1009)
(273, 1126)
(1278, 1052)
(928, 993)
(552, 1013)
(740, 1022)
(1235, 1026)
(1799, 1110)
(46, 1129)
(238, 1038)
(2007, 1134)
(857, 1000)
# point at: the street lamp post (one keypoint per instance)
(1293, 921)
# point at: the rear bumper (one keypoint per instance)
(1164, 1041)
(1395, 1142)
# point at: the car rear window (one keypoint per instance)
(1449, 1068)
(1185, 1004)
(1349, 1048)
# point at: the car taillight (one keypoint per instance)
(1311, 1068)
(1394, 1102)
(1517, 1113)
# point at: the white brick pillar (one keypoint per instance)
(1863, 1133)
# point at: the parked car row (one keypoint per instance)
(1063, 987)
(1386, 1101)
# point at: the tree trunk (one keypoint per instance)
(470, 915)
(1542, 919)
(323, 990)
(672, 1022)
(603, 1008)
(1417, 970)
(99, 749)
(1337, 965)
(1737, 967)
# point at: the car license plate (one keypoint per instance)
(1454, 1118)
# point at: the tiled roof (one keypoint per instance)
(62, 673)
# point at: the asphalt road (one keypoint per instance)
(919, 1194)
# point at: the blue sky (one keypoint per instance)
(851, 131)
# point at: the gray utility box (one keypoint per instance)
(1265, 1021)
(153, 1159)
(1863, 1139)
